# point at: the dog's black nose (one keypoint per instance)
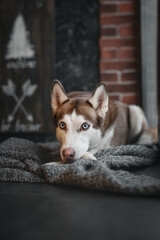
(68, 154)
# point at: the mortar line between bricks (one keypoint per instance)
(113, 3)
(112, 94)
(121, 60)
(118, 37)
(129, 70)
(116, 70)
(104, 26)
(105, 60)
(110, 48)
(115, 25)
(122, 83)
(119, 48)
(118, 14)
(119, 77)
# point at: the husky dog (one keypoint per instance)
(87, 122)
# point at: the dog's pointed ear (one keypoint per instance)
(58, 96)
(99, 100)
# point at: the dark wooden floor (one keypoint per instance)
(42, 211)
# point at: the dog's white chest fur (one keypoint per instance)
(105, 141)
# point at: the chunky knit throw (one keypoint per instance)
(22, 160)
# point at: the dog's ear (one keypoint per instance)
(99, 100)
(58, 96)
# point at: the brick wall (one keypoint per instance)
(118, 47)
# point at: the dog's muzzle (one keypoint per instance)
(68, 154)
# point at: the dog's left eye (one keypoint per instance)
(85, 126)
(62, 125)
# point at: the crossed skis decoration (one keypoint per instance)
(28, 90)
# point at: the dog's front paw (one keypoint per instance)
(88, 155)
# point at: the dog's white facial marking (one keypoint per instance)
(75, 136)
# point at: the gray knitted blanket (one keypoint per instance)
(24, 161)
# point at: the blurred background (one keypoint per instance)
(81, 43)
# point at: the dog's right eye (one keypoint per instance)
(62, 125)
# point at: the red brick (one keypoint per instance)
(128, 30)
(109, 31)
(127, 53)
(130, 99)
(122, 88)
(121, 35)
(108, 8)
(116, 65)
(127, 7)
(109, 77)
(132, 76)
(109, 53)
(116, 19)
(117, 42)
(114, 98)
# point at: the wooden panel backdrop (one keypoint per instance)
(26, 65)
(158, 72)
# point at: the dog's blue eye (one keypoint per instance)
(62, 125)
(85, 126)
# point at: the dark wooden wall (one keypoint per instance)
(41, 40)
(26, 75)
(158, 75)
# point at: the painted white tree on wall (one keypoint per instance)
(19, 45)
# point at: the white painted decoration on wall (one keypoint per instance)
(19, 45)
(28, 90)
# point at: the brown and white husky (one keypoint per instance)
(87, 122)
